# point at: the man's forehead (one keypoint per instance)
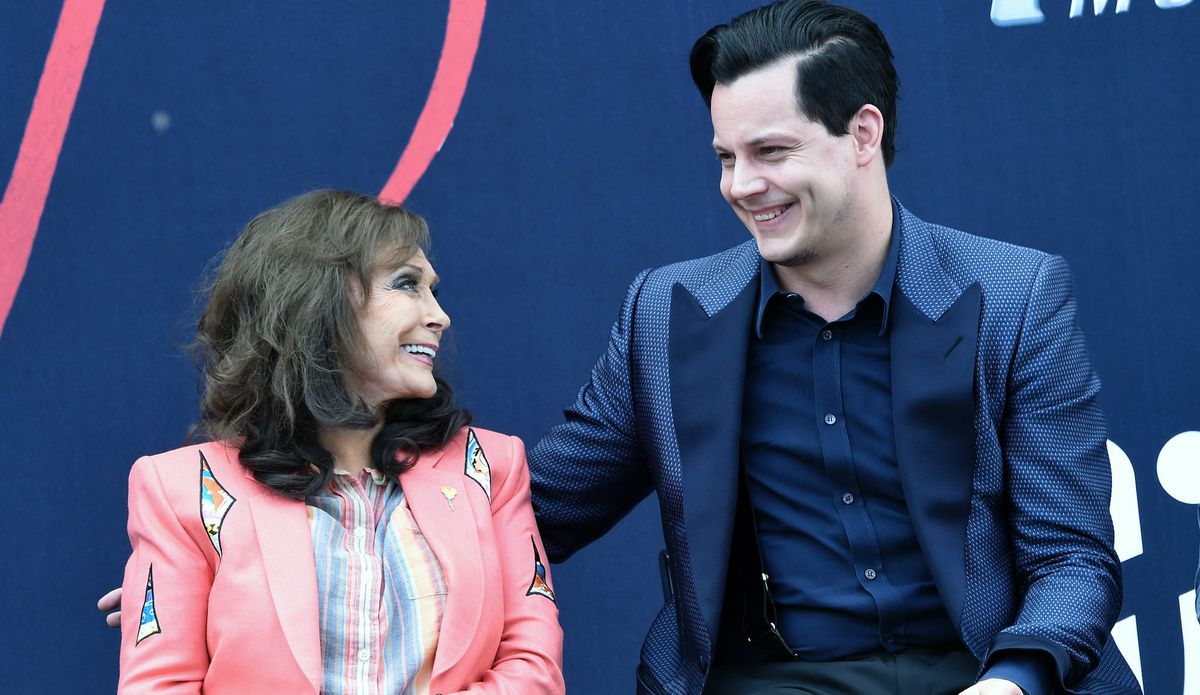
(750, 122)
(755, 106)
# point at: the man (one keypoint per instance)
(875, 441)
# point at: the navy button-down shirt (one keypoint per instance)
(845, 570)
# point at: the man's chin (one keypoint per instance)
(786, 257)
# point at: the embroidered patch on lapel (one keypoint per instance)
(540, 585)
(215, 503)
(149, 625)
(478, 468)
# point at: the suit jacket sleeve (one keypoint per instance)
(529, 658)
(1054, 441)
(174, 659)
(588, 472)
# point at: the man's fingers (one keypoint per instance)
(110, 601)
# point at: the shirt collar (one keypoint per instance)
(373, 475)
(768, 286)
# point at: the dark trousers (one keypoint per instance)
(913, 672)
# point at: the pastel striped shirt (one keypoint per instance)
(380, 589)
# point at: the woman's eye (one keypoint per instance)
(404, 284)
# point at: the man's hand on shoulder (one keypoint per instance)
(110, 603)
(993, 686)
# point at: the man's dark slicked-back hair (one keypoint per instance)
(843, 60)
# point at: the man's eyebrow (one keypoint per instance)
(771, 137)
(759, 140)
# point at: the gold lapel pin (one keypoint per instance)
(449, 493)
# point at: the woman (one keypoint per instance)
(344, 531)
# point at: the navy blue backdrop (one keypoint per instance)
(578, 157)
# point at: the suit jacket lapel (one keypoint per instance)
(285, 540)
(707, 354)
(934, 336)
(450, 529)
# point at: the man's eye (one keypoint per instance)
(725, 159)
(770, 151)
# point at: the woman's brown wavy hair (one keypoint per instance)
(276, 337)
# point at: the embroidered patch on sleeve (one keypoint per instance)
(540, 585)
(215, 503)
(478, 468)
(149, 624)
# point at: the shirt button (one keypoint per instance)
(848, 498)
(869, 574)
(364, 655)
(830, 418)
(360, 532)
(826, 334)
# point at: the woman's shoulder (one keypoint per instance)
(478, 446)
(188, 465)
(492, 437)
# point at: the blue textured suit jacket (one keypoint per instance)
(999, 440)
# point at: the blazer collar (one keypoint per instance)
(933, 418)
(922, 274)
(712, 293)
(285, 542)
(450, 528)
(709, 336)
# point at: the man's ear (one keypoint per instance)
(866, 126)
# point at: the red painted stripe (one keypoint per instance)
(463, 28)
(25, 196)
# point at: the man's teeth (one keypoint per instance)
(421, 350)
(764, 216)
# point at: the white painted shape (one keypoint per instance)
(1099, 6)
(1191, 644)
(1127, 522)
(1179, 467)
(1007, 13)
(1125, 636)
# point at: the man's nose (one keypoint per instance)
(745, 181)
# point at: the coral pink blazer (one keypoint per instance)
(220, 593)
